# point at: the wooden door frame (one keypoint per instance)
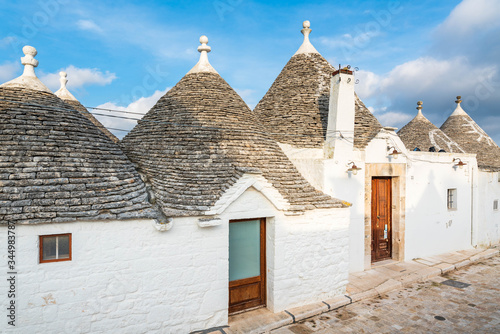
(374, 207)
(263, 277)
(398, 173)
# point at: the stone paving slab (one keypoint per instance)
(445, 267)
(362, 286)
(430, 307)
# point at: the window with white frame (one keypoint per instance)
(452, 199)
(495, 205)
(55, 248)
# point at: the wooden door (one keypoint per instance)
(247, 264)
(381, 219)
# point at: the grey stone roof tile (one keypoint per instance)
(295, 108)
(469, 135)
(56, 166)
(422, 134)
(199, 139)
(79, 107)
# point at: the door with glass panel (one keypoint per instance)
(247, 264)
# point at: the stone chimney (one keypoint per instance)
(340, 130)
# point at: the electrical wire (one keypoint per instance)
(330, 132)
(184, 125)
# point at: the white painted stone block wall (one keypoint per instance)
(488, 231)
(310, 258)
(430, 227)
(351, 188)
(125, 277)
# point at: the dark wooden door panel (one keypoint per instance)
(381, 219)
(245, 293)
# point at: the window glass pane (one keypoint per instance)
(49, 248)
(244, 249)
(64, 247)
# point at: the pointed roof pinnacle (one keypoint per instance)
(28, 79)
(306, 46)
(419, 108)
(203, 65)
(63, 93)
(458, 110)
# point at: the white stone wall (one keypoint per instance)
(125, 277)
(309, 258)
(351, 188)
(430, 227)
(488, 231)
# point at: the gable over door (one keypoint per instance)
(247, 264)
(381, 218)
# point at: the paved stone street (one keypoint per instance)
(430, 307)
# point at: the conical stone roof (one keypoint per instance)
(465, 131)
(56, 166)
(295, 108)
(366, 126)
(422, 134)
(67, 97)
(200, 138)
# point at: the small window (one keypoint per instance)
(452, 199)
(495, 205)
(55, 247)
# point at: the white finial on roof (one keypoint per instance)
(458, 110)
(419, 108)
(63, 93)
(28, 79)
(306, 46)
(203, 65)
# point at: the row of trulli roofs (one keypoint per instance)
(58, 163)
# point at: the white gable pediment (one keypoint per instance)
(257, 182)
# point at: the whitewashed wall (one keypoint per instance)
(331, 177)
(488, 232)
(351, 188)
(430, 227)
(125, 277)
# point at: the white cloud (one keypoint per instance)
(78, 77)
(436, 83)
(471, 16)
(393, 118)
(88, 25)
(348, 43)
(9, 71)
(247, 95)
(463, 59)
(6, 41)
(425, 75)
(142, 106)
(368, 83)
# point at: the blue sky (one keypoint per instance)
(125, 55)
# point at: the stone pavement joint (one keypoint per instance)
(368, 284)
(465, 301)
